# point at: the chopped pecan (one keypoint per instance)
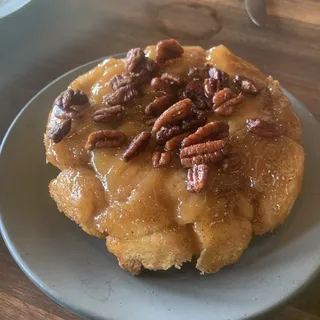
(221, 77)
(210, 87)
(166, 133)
(264, 128)
(229, 107)
(105, 139)
(175, 142)
(176, 113)
(204, 153)
(159, 105)
(108, 114)
(197, 178)
(59, 131)
(173, 79)
(160, 159)
(72, 99)
(222, 96)
(121, 95)
(245, 85)
(139, 143)
(160, 85)
(211, 131)
(134, 59)
(123, 79)
(168, 49)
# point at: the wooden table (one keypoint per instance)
(47, 38)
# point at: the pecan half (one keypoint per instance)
(59, 131)
(168, 49)
(264, 128)
(204, 153)
(221, 77)
(139, 143)
(71, 98)
(211, 130)
(166, 133)
(123, 79)
(134, 59)
(197, 178)
(210, 87)
(178, 112)
(173, 79)
(105, 139)
(108, 114)
(160, 159)
(229, 107)
(121, 95)
(245, 85)
(159, 105)
(160, 85)
(175, 142)
(222, 96)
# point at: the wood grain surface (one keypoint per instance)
(47, 38)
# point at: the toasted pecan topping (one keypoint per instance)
(178, 112)
(121, 95)
(161, 159)
(197, 178)
(105, 139)
(221, 77)
(222, 96)
(160, 85)
(173, 79)
(138, 144)
(211, 131)
(264, 128)
(167, 133)
(134, 59)
(168, 49)
(175, 142)
(225, 102)
(59, 131)
(71, 99)
(108, 114)
(211, 86)
(159, 105)
(204, 153)
(123, 79)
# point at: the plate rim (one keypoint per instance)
(42, 285)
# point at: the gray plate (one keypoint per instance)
(76, 270)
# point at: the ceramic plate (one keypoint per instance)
(76, 270)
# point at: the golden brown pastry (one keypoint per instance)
(175, 152)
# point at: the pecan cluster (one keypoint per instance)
(177, 116)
